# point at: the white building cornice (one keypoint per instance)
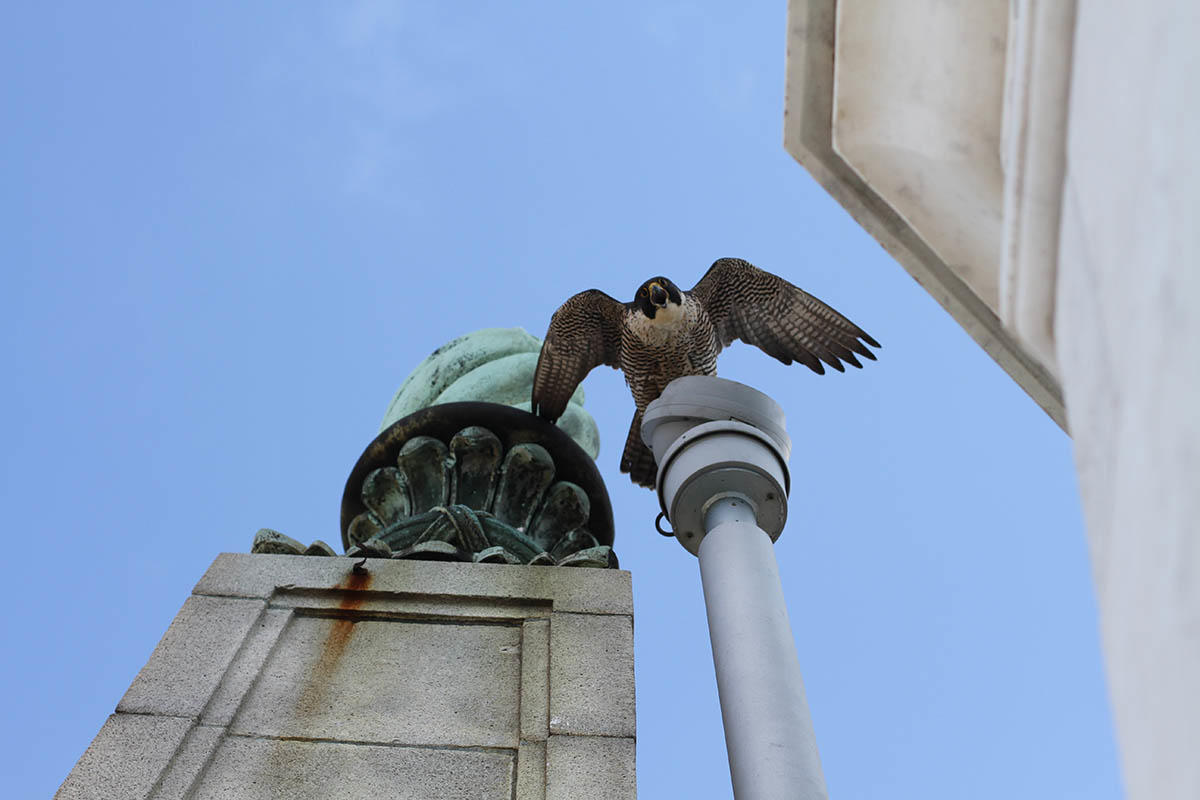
(936, 130)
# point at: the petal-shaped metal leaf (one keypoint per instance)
(527, 472)
(385, 493)
(363, 527)
(423, 462)
(269, 541)
(564, 508)
(596, 557)
(477, 453)
(320, 548)
(496, 555)
(433, 551)
(576, 540)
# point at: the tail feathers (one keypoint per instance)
(637, 460)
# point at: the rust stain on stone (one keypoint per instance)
(312, 699)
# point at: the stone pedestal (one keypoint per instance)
(300, 677)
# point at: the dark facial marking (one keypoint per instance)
(655, 294)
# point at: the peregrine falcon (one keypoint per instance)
(665, 334)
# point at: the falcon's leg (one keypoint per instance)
(637, 460)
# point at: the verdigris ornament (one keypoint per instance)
(493, 365)
(270, 541)
(509, 489)
(461, 471)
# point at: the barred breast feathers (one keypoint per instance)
(671, 323)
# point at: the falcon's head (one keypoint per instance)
(657, 293)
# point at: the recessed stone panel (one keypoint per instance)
(389, 681)
(273, 769)
(293, 676)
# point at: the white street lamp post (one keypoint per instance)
(722, 452)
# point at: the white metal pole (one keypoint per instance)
(768, 731)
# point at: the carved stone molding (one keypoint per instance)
(939, 127)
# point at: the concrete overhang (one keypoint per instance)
(940, 127)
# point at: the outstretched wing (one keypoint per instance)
(584, 333)
(782, 320)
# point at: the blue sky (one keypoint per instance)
(230, 230)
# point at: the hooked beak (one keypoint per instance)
(658, 295)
